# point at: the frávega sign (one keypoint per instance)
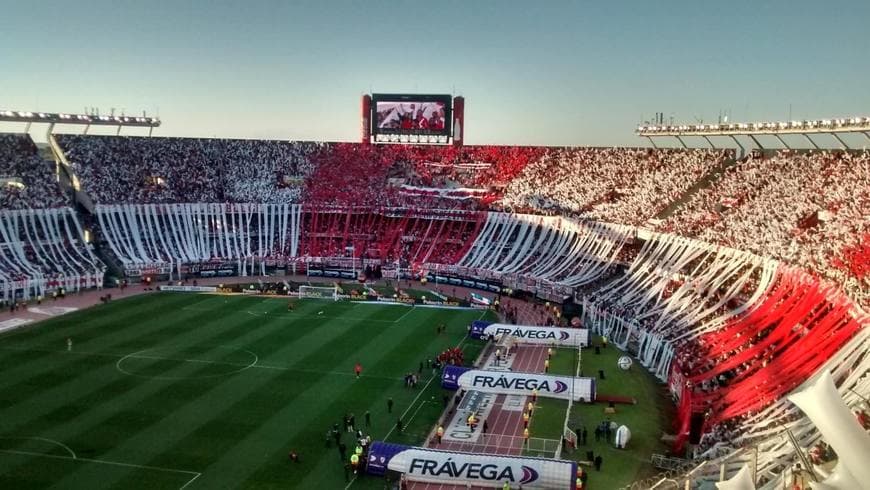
(483, 470)
(513, 383)
(540, 335)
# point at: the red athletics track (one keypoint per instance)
(505, 426)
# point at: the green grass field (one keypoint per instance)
(173, 390)
(647, 420)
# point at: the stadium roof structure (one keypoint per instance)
(87, 120)
(804, 128)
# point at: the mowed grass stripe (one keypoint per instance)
(233, 426)
(17, 363)
(20, 475)
(183, 419)
(52, 357)
(99, 395)
(318, 406)
(84, 375)
(316, 410)
(404, 356)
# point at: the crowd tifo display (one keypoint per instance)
(733, 280)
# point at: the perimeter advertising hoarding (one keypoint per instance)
(515, 383)
(411, 114)
(528, 334)
(479, 470)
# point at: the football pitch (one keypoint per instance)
(177, 390)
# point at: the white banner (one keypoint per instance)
(513, 383)
(483, 470)
(476, 402)
(540, 335)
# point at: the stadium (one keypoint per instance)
(408, 310)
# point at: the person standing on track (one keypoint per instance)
(439, 433)
(342, 450)
(526, 436)
(549, 352)
(525, 419)
(546, 365)
(530, 406)
(354, 462)
(485, 427)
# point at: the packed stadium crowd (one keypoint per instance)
(808, 209)
(752, 205)
(621, 185)
(26, 180)
(117, 169)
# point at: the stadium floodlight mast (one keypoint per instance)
(86, 120)
(833, 127)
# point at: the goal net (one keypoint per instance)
(570, 437)
(319, 292)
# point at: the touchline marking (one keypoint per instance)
(401, 417)
(408, 422)
(397, 320)
(195, 474)
(432, 378)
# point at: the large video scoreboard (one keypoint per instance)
(408, 118)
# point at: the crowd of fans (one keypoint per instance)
(803, 208)
(809, 209)
(353, 174)
(120, 169)
(405, 239)
(26, 180)
(621, 185)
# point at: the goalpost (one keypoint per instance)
(568, 435)
(319, 292)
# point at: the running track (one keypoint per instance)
(505, 426)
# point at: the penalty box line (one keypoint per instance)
(192, 474)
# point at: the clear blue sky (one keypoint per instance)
(546, 72)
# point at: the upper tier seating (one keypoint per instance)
(809, 209)
(619, 185)
(29, 180)
(115, 169)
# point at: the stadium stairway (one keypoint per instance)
(68, 178)
(704, 182)
(101, 249)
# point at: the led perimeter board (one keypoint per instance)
(411, 118)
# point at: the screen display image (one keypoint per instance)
(396, 116)
(422, 117)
